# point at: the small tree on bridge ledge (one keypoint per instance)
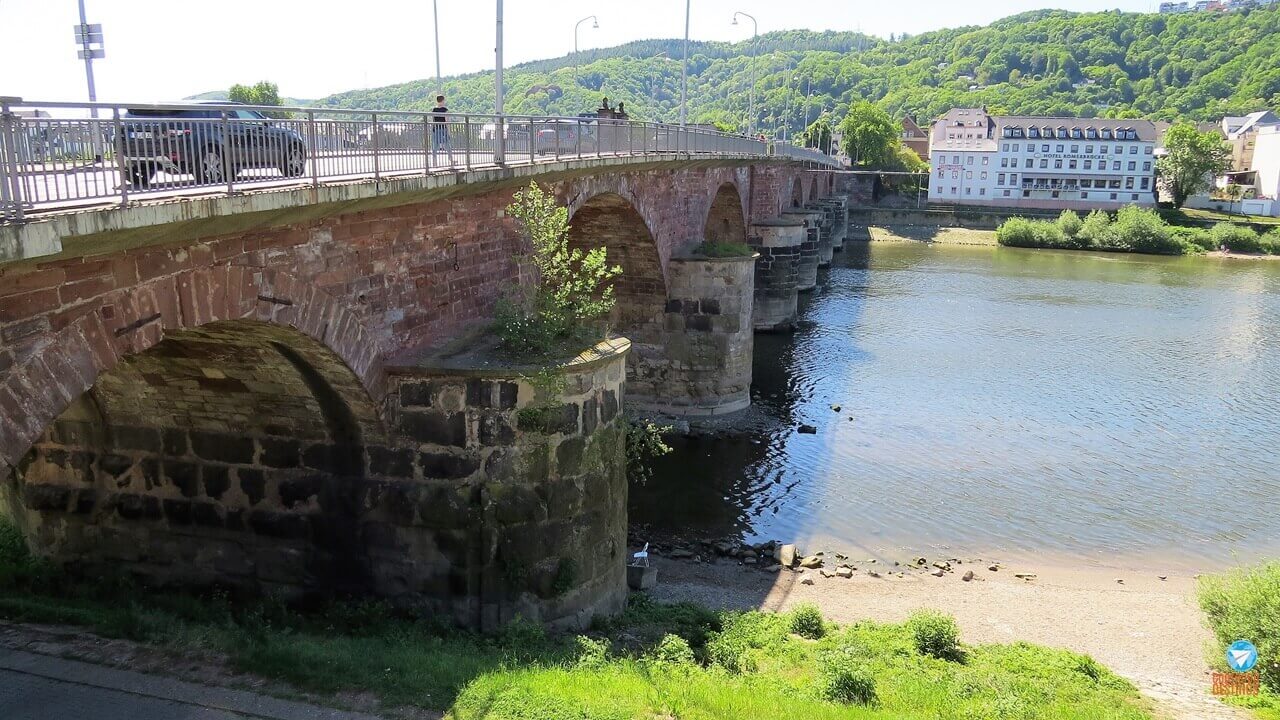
(574, 289)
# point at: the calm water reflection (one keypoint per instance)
(999, 400)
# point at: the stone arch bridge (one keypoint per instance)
(230, 390)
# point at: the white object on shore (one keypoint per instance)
(641, 558)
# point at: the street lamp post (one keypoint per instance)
(684, 68)
(755, 32)
(499, 133)
(594, 23)
(435, 20)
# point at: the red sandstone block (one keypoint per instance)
(20, 307)
(84, 289)
(87, 269)
(162, 262)
(15, 283)
(99, 341)
(125, 270)
(226, 248)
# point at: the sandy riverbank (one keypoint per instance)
(1147, 629)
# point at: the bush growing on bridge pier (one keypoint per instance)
(574, 289)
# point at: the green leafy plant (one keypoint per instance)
(1237, 238)
(644, 443)
(1096, 228)
(935, 634)
(806, 621)
(592, 652)
(1069, 223)
(1194, 157)
(672, 650)
(574, 289)
(1245, 604)
(845, 678)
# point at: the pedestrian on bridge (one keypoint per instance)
(440, 130)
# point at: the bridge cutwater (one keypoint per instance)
(233, 340)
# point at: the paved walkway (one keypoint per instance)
(39, 687)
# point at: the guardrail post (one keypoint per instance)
(466, 128)
(426, 145)
(10, 188)
(377, 171)
(117, 132)
(312, 148)
(499, 140)
(226, 154)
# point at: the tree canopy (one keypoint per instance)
(871, 137)
(1194, 159)
(1196, 66)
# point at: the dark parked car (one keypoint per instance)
(198, 142)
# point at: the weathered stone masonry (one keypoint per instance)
(264, 443)
(778, 243)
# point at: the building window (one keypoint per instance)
(968, 160)
(1114, 184)
(1132, 166)
(1106, 135)
(1088, 164)
(1147, 149)
(955, 159)
(1086, 183)
(985, 159)
(1006, 193)
(1060, 148)
(1004, 147)
(983, 191)
(1128, 183)
(984, 175)
(1044, 148)
(1092, 134)
(1004, 162)
(1029, 161)
(1075, 134)
(955, 174)
(1013, 179)
(1115, 164)
(1071, 164)
(1146, 166)
(1057, 164)
(953, 189)
(968, 191)
(1084, 196)
(1055, 193)
(1133, 149)
(1088, 149)
(1146, 183)
(1113, 196)
(1135, 196)
(1015, 147)
(1075, 148)
(1044, 163)
(968, 175)
(1026, 193)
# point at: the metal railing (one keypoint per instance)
(53, 156)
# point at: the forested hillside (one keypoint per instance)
(1198, 66)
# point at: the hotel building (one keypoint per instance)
(1041, 162)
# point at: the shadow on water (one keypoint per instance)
(733, 486)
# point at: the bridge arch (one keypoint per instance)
(109, 329)
(797, 192)
(232, 453)
(726, 219)
(813, 189)
(611, 221)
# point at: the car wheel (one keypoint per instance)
(139, 176)
(210, 169)
(294, 162)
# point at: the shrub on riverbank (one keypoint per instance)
(1245, 604)
(1134, 229)
(653, 661)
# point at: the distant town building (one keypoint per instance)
(1266, 166)
(914, 138)
(1173, 8)
(1041, 162)
(1241, 132)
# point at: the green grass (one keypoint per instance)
(1264, 707)
(654, 661)
(712, 249)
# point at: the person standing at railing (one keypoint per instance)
(440, 130)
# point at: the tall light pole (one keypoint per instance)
(755, 32)
(435, 19)
(684, 68)
(86, 37)
(594, 23)
(499, 134)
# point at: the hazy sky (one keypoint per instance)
(167, 49)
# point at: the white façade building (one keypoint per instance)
(1041, 162)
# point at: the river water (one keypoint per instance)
(1110, 408)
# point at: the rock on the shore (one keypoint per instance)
(786, 555)
(807, 581)
(808, 430)
(844, 572)
(812, 561)
(937, 572)
(967, 576)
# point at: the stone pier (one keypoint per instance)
(810, 249)
(778, 242)
(839, 205)
(708, 336)
(826, 242)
